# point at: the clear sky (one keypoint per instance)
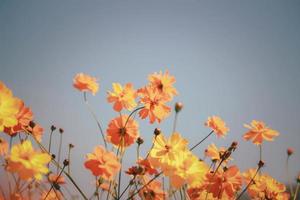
(236, 59)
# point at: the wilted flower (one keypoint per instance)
(217, 125)
(122, 97)
(102, 163)
(258, 132)
(85, 83)
(27, 162)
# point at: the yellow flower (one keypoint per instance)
(122, 97)
(9, 108)
(166, 152)
(189, 170)
(27, 162)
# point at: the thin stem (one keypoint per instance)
(69, 158)
(135, 110)
(251, 181)
(97, 189)
(59, 151)
(260, 152)
(129, 184)
(191, 149)
(52, 186)
(296, 192)
(175, 122)
(95, 118)
(288, 176)
(151, 146)
(50, 141)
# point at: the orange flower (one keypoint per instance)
(54, 178)
(118, 134)
(154, 105)
(264, 186)
(197, 193)
(122, 97)
(152, 191)
(164, 84)
(3, 147)
(53, 195)
(36, 130)
(27, 162)
(217, 125)
(166, 152)
(215, 153)
(9, 107)
(259, 132)
(85, 83)
(102, 163)
(148, 168)
(225, 183)
(24, 116)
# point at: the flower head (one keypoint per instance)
(166, 152)
(27, 162)
(85, 83)
(9, 108)
(154, 105)
(102, 163)
(258, 132)
(35, 130)
(225, 183)
(214, 153)
(24, 116)
(152, 191)
(163, 83)
(122, 97)
(121, 133)
(217, 125)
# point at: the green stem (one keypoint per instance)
(296, 192)
(191, 149)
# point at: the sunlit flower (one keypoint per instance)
(165, 152)
(3, 147)
(198, 193)
(225, 183)
(264, 186)
(154, 105)
(24, 116)
(189, 170)
(152, 191)
(121, 135)
(122, 97)
(52, 195)
(55, 178)
(9, 107)
(102, 163)
(217, 125)
(146, 165)
(27, 162)
(35, 130)
(258, 132)
(85, 83)
(163, 82)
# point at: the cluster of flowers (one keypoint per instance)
(169, 158)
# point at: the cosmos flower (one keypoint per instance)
(54, 178)
(122, 97)
(27, 162)
(197, 193)
(146, 165)
(9, 108)
(224, 183)
(258, 132)
(264, 186)
(152, 191)
(24, 116)
(165, 152)
(35, 130)
(163, 83)
(154, 105)
(189, 170)
(3, 147)
(217, 125)
(85, 83)
(102, 163)
(119, 135)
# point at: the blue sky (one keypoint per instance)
(236, 59)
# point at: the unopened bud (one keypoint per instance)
(61, 130)
(53, 128)
(289, 151)
(53, 156)
(66, 162)
(139, 141)
(157, 131)
(32, 124)
(178, 106)
(261, 164)
(71, 146)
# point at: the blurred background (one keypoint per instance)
(236, 59)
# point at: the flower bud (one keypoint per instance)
(71, 146)
(61, 130)
(261, 164)
(178, 107)
(53, 128)
(157, 131)
(289, 151)
(66, 162)
(139, 141)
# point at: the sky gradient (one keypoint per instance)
(236, 59)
